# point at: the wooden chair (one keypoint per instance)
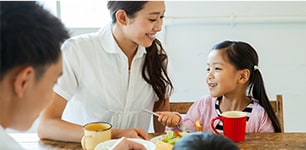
(180, 107)
(277, 105)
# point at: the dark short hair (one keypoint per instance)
(30, 36)
(204, 141)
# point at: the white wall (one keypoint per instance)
(277, 30)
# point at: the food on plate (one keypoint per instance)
(169, 140)
(172, 136)
(160, 145)
(198, 125)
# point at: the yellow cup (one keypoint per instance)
(95, 133)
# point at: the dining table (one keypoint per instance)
(258, 141)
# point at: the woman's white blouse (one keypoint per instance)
(98, 85)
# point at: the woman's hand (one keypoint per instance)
(130, 133)
(126, 144)
(170, 119)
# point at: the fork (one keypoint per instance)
(181, 127)
(151, 112)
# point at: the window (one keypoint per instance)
(49, 5)
(80, 14)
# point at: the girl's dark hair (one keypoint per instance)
(154, 70)
(244, 56)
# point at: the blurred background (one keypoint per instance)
(276, 29)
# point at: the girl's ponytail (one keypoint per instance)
(258, 92)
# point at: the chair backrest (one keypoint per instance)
(180, 107)
(277, 105)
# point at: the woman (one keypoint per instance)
(112, 75)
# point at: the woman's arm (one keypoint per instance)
(51, 125)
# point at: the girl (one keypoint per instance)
(112, 75)
(232, 71)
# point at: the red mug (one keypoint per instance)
(234, 124)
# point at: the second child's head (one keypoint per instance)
(205, 140)
(232, 67)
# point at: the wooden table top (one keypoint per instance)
(280, 141)
(283, 141)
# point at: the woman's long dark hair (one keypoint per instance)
(154, 70)
(244, 56)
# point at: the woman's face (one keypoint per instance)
(147, 22)
(222, 77)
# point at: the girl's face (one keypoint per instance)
(222, 77)
(147, 22)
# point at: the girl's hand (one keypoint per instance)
(169, 119)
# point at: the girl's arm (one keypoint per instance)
(170, 119)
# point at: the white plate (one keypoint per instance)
(108, 144)
(157, 138)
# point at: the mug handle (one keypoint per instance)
(83, 141)
(212, 124)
